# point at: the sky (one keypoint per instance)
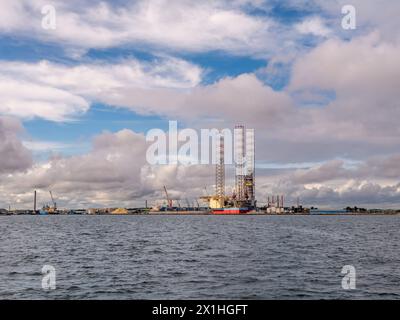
(77, 100)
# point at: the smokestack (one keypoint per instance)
(34, 201)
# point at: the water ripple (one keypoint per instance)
(199, 257)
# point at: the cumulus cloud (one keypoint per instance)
(114, 173)
(28, 100)
(360, 120)
(168, 86)
(337, 183)
(361, 194)
(382, 167)
(323, 173)
(13, 155)
(385, 169)
(363, 76)
(354, 82)
(176, 25)
(382, 16)
(56, 92)
(184, 25)
(314, 26)
(225, 99)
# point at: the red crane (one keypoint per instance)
(169, 201)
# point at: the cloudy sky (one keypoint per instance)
(76, 102)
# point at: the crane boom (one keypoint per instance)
(52, 200)
(169, 201)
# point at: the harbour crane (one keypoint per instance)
(52, 200)
(50, 209)
(169, 201)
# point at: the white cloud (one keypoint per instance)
(40, 146)
(244, 98)
(371, 15)
(13, 155)
(27, 100)
(59, 93)
(314, 26)
(114, 172)
(177, 25)
(364, 74)
(361, 73)
(184, 25)
(13, 16)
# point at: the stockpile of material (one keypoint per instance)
(120, 211)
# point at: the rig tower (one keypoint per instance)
(220, 171)
(244, 152)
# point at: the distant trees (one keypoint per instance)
(355, 209)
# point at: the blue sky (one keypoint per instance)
(217, 64)
(100, 117)
(76, 134)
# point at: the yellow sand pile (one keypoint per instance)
(120, 211)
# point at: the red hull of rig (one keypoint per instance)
(231, 211)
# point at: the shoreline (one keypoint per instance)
(211, 214)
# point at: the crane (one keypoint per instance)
(169, 201)
(52, 200)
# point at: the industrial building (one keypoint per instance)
(275, 205)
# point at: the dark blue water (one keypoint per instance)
(199, 257)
